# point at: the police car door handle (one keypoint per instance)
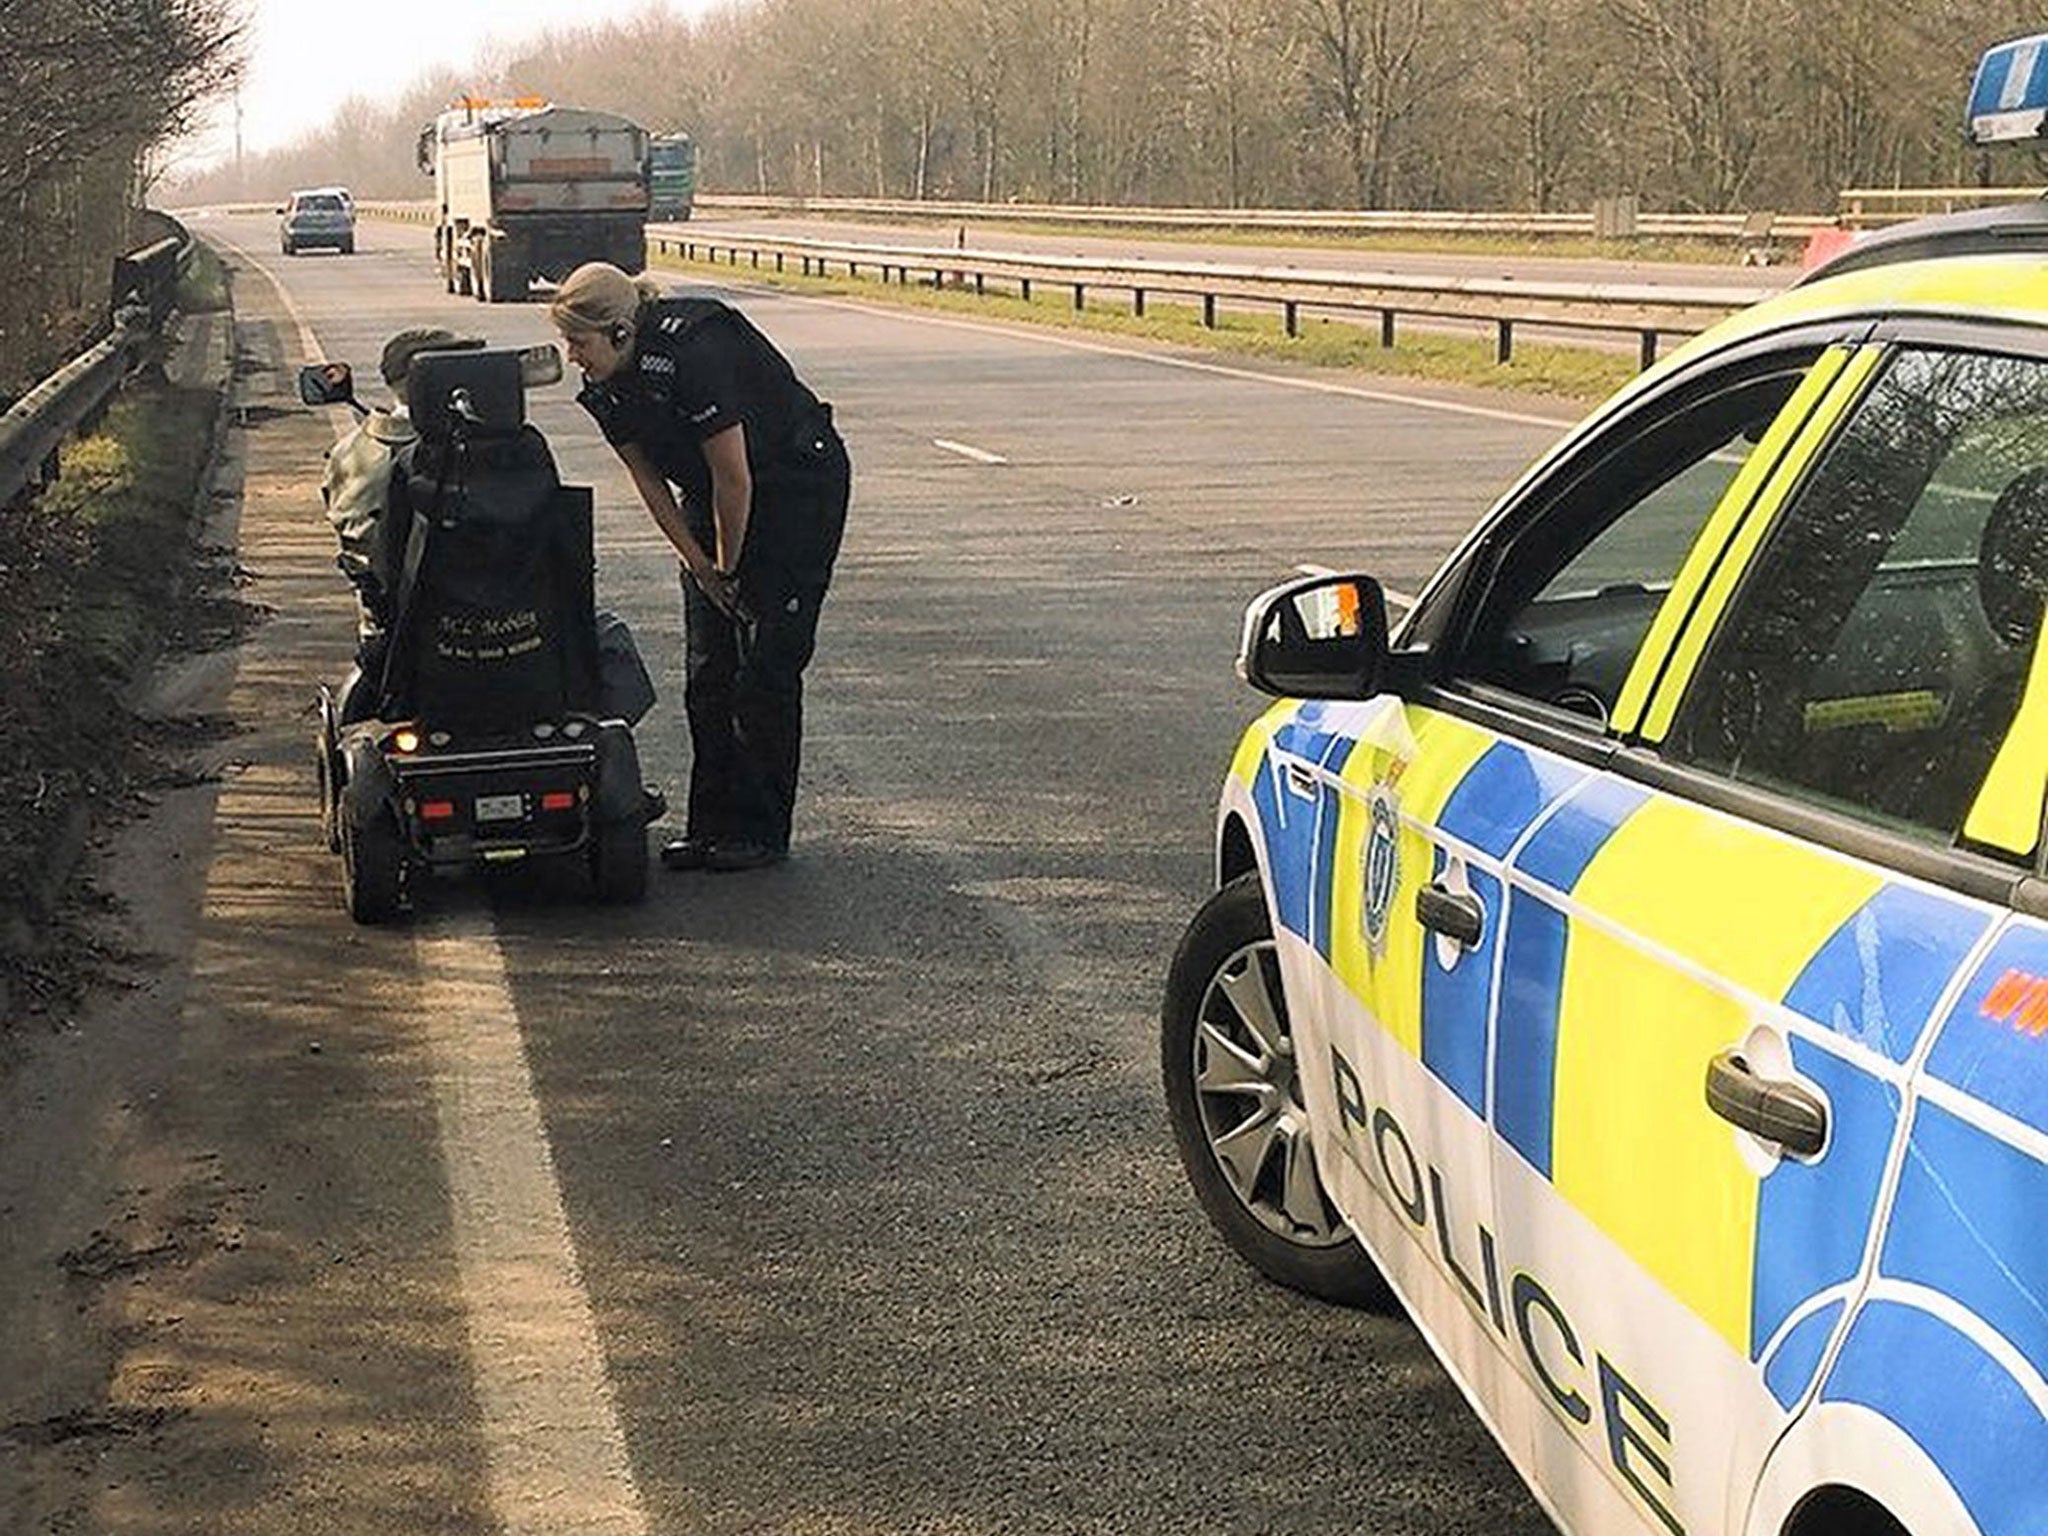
(1457, 915)
(1768, 1108)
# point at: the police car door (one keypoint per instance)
(1496, 769)
(1726, 953)
(1879, 672)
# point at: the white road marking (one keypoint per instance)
(551, 1433)
(1399, 599)
(967, 451)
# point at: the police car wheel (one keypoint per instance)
(1234, 1097)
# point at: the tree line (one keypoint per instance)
(1713, 105)
(87, 89)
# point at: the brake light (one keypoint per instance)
(558, 800)
(437, 810)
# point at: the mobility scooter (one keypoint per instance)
(475, 730)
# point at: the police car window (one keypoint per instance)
(1575, 593)
(1873, 658)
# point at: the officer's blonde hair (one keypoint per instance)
(597, 296)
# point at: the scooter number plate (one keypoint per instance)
(500, 807)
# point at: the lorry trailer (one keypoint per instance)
(527, 190)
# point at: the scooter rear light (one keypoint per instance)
(558, 800)
(437, 810)
(406, 741)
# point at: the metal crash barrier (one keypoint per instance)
(1645, 311)
(145, 283)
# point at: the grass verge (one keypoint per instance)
(1579, 374)
(95, 582)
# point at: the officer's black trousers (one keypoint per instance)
(743, 691)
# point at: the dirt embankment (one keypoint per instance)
(101, 576)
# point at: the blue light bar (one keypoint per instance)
(2009, 100)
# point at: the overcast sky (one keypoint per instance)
(310, 55)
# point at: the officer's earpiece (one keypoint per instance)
(621, 333)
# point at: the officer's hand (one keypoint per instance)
(719, 586)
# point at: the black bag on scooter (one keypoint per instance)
(491, 564)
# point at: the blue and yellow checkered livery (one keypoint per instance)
(1631, 936)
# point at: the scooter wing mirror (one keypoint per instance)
(327, 384)
(540, 365)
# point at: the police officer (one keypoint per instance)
(738, 463)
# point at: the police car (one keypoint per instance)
(1636, 963)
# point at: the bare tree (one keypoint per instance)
(1479, 103)
(1235, 58)
(1711, 65)
(1372, 67)
(87, 91)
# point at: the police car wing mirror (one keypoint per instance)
(539, 365)
(1322, 637)
(328, 384)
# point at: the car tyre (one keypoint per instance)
(372, 866)
(1233, 1096)
(348, 247)
(618, 862)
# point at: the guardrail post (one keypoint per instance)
(778, 261)
(1138, 302)
(938, 280)
(1209, 311)
(1504, 342)
(1646, 350)
(978, 286)
(1387, 329)
(1080, 297)
(1290, 312)
(1024, 289)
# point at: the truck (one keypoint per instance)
(525, 189)
(671, 177)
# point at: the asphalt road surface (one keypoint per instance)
(836, 1198)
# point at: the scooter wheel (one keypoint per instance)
(330, 793)
(372, 867)
(618, 862)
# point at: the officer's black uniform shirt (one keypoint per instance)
(699, 367)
